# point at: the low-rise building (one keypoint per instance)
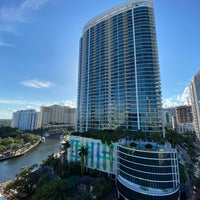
(185, 127)
(101, 157)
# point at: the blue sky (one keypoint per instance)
(39, 47)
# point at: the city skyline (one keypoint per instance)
(39, 47)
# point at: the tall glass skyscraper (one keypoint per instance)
(195, 101)
(119, 77)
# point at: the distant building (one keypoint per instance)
(25, 119)
(57, 116)
(169, 117)
(184, 119)
(195, 99)
(185, 127)
(183, 114)
(141, 173)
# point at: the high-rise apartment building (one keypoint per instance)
(57, 116)
(25, 119)
(195, 99)
(169, 117)
(119, 87)
(183, 114)
(184, 119)
(119, 77)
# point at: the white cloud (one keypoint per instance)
(6, 114)
(183, 99)
(182, 83)
(6, 101)
(17, 12)
(19, 102)
(37, 84)
(5, 44)
(32, 4)
(10, 14)
(169, 102)
(9, 29)
(67, 103)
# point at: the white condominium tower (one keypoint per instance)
(56, 115)
(195, 99)
(25, 119)
(119, 76)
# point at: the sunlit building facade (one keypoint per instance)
(183, 114)
(119, 77)
(195, 101)
(57, 116)
(25, 119)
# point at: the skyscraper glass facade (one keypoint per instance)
(119, 78)
(147, 174)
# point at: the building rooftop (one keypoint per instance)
(146, 146)
(118, 9)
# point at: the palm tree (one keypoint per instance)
(83, 151)
(156, 137)
(65, 149)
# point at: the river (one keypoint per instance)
(9, 168)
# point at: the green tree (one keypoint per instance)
(157, 137)
(55, 189)
(101, 188)
(183, 177)
(83, 151)
(23, 182)
(7, 141)
(2, 148)
(148, 146)
(29, 179)
(65, 149)
(139, 135)
(172, 136)
(51, 161)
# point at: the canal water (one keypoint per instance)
(9, 168)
